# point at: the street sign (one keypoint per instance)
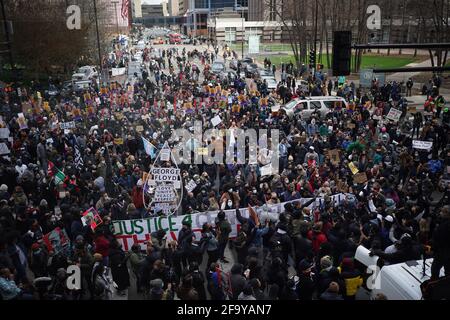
(366, 77)
(253, 44)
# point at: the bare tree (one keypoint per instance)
(42, 42)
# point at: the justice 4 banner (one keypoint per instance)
(129, 232)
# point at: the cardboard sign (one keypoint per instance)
(353, 168)
(351, 125)
(360, 178)
(334, 156)
(422, 145)
(165, 155)
(266, 170)
(22, 122)
(4, 149)
(190, 186)
(164, 194)
(216, 121)
(46, 106)
(165, 174)
(394, 115)
(67, 125)
(412, 108)
(118, 141)
(4, 133)
(139, 128)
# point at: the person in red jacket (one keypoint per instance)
(317, 237)
(137, 198)
(101, 244)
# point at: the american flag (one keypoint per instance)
(124, 10)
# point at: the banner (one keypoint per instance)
(118, 71)
(4, 133)
(422, 145)
(67, 125)
(394, 114)
(129, 232)
(165, 174)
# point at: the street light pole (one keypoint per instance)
(242, 33)
(98, 39)
(8, 42)
(117, 15)
(315, 36)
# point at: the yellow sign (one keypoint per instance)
(118, 115)
(118, 141)
(202, 151)
(46, 106)
(353, 168)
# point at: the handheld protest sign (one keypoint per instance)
(163, 190)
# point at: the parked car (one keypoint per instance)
(217, 67)
(320, 106)
(85, 73)
(188, 41)
(251, 70)
(246, 61)
(231, 74)
(234, 64)
(272, 84)
(158, 40)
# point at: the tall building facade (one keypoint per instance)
(198, 12)
(174, 7)
(136, 9)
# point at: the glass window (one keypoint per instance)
(315, 105)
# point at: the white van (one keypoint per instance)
(399, 281)
(85, 73)
(306, 107)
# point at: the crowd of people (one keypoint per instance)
(51, 174)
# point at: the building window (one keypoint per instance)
(230, 34)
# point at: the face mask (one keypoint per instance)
(230, 203)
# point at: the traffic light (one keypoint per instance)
(342, 53)
(312, 59)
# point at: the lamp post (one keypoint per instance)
(7, 38)
(98, 40)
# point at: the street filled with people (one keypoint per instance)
(76, 162)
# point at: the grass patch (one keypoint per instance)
(368, 61)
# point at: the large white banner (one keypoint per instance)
(422, 145)
(118, 71)
(129, 232)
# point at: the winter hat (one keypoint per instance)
(3, 187)
(304, 265)
(326, 262)
(348, 263)
(43, 203)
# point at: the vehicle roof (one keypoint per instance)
(326, 98)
